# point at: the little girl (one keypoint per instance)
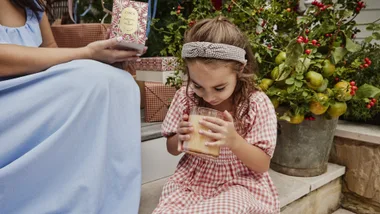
(220, 67)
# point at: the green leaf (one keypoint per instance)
(302, 65)
(284, 72)
(293, 51)
(298, 83)
(347, 13)
(368, 39)
(318, 65)
(290, 81)
(376, 35)
(258, 58)
(299, 76)
(366, 91)
(290, 89)
(338, 54)
(351, 46)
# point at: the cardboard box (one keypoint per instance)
(157, 101)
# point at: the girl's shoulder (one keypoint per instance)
(257, 97)
(258, 104)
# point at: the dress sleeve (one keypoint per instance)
(177, 108)
(263, 131)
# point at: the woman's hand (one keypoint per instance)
(184, 129)
(103, 51)
(222, 131)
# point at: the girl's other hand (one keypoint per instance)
(184, 129)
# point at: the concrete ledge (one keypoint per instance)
(358, 131)
(292, 188)
(289, 188)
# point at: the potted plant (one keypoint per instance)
(308, 61)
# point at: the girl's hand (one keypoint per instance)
(222, 131)
(184, 129)
(103, 51)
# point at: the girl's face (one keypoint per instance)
(215, 83)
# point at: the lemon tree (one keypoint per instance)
(307, 56)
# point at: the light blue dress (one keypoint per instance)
(69, 136)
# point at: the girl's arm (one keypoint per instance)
(253, 157)
(172, 145)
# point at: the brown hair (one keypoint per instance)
(221, 30)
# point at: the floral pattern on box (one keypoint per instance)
(157, 64)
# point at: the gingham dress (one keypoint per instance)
(222, 185)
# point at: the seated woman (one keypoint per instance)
(69, 122)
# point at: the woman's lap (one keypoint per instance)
(70, 141)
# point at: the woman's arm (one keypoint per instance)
(48, 40)
(20, 60)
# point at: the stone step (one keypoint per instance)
(290, 189)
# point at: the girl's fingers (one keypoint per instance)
(215, 143)
(215, 120)
(212, 126)
(215, 136)
(185, 117)
(186, 130)
(183, 137)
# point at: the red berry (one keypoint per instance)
(269, 46)
(366, 59)
(314, 42)
(288, 9)
(352, 93)
(307, 31)
(299, 40)
(318, 45)
(312, 118)
(361, 66)
(369, 106)
(308, 51)
(306, 40)
(358, 9)
(354, 88)
(327, 35)
(369, 62)
(372, 103)
(178, 11)
(366, 65)
(179, 7)
(191, 23)
(352, 83)
(337, 79)
(374, 100)
(263, 24)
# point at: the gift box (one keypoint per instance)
(157, 64)
(129, 21)
(157, 101)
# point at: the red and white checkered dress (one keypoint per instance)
(223, 185)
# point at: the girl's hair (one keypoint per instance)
(221, 30)
(34, 5)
